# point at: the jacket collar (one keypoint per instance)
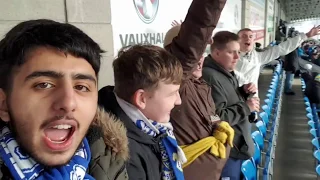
(108, 100)
(211, 63)
(246, 55)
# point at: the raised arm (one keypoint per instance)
(286, 47)
(195, 32)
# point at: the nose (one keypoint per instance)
(64, 99)
(236, 56)
(178, 100)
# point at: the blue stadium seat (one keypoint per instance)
(306, 99)
(311, 124)
(313, 132)
(309, 116)
(262, 128)
(316, 154)
(307, 104)
(308, 109)
(257, 155)
(258, 139)
(318, 170)
(266, 109)
(264, 117)
(269, 96)
(315, 143)
(248, 170)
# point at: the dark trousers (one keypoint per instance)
(232, 170)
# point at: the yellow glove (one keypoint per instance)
(218, 149)
(224, 133)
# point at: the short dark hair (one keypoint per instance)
(32, 34)
(222, 38)
(143, 67)
(244, 30)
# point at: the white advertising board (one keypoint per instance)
(147, 21)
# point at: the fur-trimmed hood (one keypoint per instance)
(112, 131)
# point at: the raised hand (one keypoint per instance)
(176, 23)
(314, 31)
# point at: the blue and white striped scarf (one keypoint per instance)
(23, 167)
(171, 154)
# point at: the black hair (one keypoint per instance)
(32, 34)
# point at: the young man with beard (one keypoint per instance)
(48, 101)
(196, 125)
(232, 103)
(251, 60)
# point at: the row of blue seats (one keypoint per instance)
(313, 122)
(266, 136)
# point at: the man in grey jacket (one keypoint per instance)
(232, 102)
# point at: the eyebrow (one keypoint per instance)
(59, 75)
(175, 91)
(84, 77)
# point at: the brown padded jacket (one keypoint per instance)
(192, 120)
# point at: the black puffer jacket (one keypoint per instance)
(291, 62)
(313, 89)
(145, 157)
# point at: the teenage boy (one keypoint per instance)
(147, 81)
(232, 103)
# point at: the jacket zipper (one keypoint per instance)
(120, 171)
(236, 147)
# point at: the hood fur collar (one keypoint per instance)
(113, 132)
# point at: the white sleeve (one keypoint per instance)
(241, 79)
(282, 49)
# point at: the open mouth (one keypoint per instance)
(247, 44)
(58, 137)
